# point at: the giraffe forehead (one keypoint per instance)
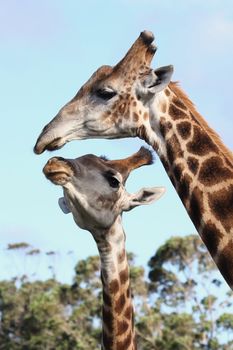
(98, 77)
(125, 165)
(90, 161)
(100, 165)
(121, 77)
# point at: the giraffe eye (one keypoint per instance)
(105, 93)
(112, 179)
(113, 182)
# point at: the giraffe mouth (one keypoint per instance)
(58, 171)
(54, 145)
(58, 177)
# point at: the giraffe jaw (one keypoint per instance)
(46, 142)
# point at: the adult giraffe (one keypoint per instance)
(131, 99)
(94, 191)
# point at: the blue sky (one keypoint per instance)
(48, 50)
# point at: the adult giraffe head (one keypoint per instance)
(114, 102)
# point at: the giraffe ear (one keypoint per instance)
(63, 205)
(163, 78)
(144, 196)
(156, 80)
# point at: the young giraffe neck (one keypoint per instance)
(200, 168)
(117, 310)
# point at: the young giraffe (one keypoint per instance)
(131, 99)
(94, 191)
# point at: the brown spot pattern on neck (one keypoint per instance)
(201, 169)
(117, 311)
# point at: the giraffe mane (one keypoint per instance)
(103, 157)
(177, 90)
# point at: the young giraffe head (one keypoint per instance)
(94, 187)
(114, 103)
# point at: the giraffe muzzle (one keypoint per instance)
(58, 170)
(55, 144)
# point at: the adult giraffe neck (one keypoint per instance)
(117, 310)
(200, 168)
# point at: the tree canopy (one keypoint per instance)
(181, 305)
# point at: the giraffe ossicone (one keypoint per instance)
(131, 99)
(94, 192)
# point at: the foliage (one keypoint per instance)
(183, 305)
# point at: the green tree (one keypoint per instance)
(49, 314)
(183, 305)
(185, 288)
